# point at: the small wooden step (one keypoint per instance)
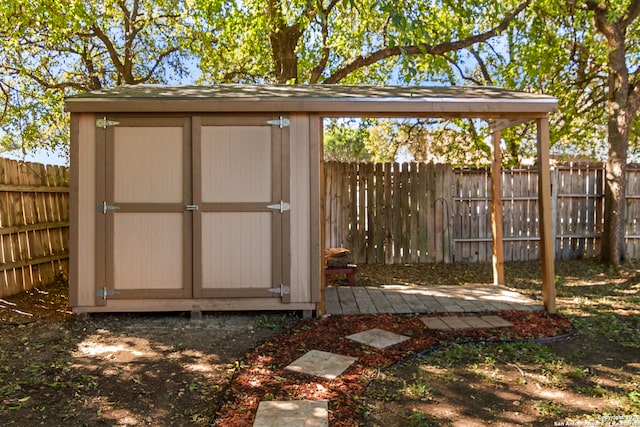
(349, 271)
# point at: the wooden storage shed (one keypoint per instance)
(210, 198)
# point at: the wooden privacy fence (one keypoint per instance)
(422, 213)
(34, 225)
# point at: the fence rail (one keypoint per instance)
(34, 225)
(415, 212)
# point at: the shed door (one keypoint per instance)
(192, 208)
(148, 230)
(241, 227)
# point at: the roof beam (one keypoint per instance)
(501, 124)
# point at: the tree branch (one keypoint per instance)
(634, 99)
(6, 97)
(92, 74)
(155, 66)
(483, 67)
(42, 82)
(362, 61)
(632, 13)
(326, 51)
(113, 53)
(455, 65)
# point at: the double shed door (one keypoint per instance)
(193, 207)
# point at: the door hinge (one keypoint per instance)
(280, 122)
(104, 208)
(282, 290)
(192, 207)
(104, 123)
(104, 293)
(282, 206)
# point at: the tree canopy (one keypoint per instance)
(585, 52)
(49, 49)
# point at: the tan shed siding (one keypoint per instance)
(74, 214)
(148, 251)
(300, 213)
(83, 252)
(316, 210)
(237, 250)
(149, 164)
(238, 159)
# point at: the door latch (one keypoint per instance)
(281, 290)
(104, 208)
(282, 206)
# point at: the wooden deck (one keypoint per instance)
(427, 300)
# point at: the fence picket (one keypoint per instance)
(34, 219)
(423, 207)
(379, 213)
(632, 229)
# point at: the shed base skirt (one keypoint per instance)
(223, 304)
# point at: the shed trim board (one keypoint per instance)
(295, 254)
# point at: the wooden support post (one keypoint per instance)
(547, 252)
(317, 191)
(496, 211)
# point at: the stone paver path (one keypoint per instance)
(360, 300)
(378, 338)
(321, 363)
(307, 413)
(448, 323)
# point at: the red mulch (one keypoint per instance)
(261, 375)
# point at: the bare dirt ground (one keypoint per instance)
(150, 369)
(168, 370)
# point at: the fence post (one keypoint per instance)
(554, 209)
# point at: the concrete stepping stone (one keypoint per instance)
(378, 338)
(435, 323)
(497, 321)
(307, 413)
(321, 364)
(450, 323)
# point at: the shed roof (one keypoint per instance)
(330, 100)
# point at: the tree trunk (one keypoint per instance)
(284, 41)
(613, 246)
(622, 102)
